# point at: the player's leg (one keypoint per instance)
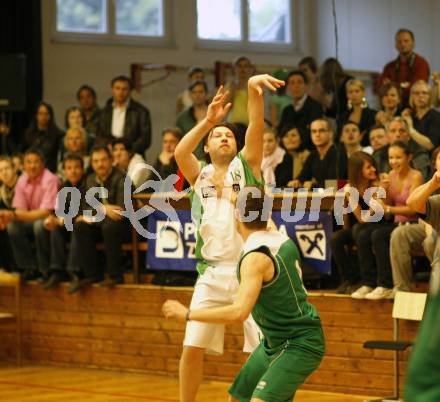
(190, 372)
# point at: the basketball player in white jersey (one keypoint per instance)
(218, 242)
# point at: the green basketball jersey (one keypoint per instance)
(282, 311)
(217, 238)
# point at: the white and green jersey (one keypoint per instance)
(282, 311)
(217, 238)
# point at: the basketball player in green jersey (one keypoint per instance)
(423, 376)
(218, 244)
(271, 288)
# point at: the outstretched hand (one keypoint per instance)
(258, 82)
(218, 108)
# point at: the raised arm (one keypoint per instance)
(186, 160)
(418, 198)
(253, 145)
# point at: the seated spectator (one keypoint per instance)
(243, 70)
(423, 121)
(75, 142)
(64, 264)
(75, 118)
(357, 110)
(43, 134)
(34, 199)
(374, 247)
(321, 164)
(196, 112)
(8, 180)
(407, 239)
(303, 109)
(378, 137)
(127, 161)
(17, 160)
(279, 100)
(333, 79)
(87, 101)
(293, 142)
(184, 100)
(408, 68)
(398, 130)
(123, 117)
(390, 101)
(113, 230)
(362, 174)
(277, 164)
(309, 67)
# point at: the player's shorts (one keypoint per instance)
(275, 378)
(217, 287)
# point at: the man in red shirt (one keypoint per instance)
(408, 68)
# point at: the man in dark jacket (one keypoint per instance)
(123, 117)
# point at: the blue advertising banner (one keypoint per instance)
(174, 247)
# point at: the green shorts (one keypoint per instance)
(274, 378)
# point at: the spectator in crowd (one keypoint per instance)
(279, 100)
(408, 68)
(34, 199)
(333, 80)
(127, 161)
(75, 118)
(321, 164)
(184, 100)
(75, 142)
(17, 160)
(277, 164)
(62, 263)
(423, 121)
(398, 130)
(309, 67)
(113, 230)
(243, 70)
(8, 180)
(390, 101)
(196, 112)
(123, 117)
(362, 175)
(374, 245)
(409, 238)
(378, 137)
(6, 142)
(303, 109)
(357, 110)
(436, 89)
(87, 101)
(43, 134)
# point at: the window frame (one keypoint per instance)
(110, 37)
(245, 45)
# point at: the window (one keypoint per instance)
(110, 20)
(246, 21)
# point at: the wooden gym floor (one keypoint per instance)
(50, 384)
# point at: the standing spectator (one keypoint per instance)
(8, 180)
(321, 164)
(408, 68)
(333, 79)
(423, 121)
(374, 246)
(113, 230)
(61, 263)
(362, 174)
(127, 161)
(123, 117)
(34, 199)
(391, 103)
(238, 91)
(309, 67)
(184, 100)
(43, 134)
(87, 101)
(277, 164)
(303, 109)
(196, 112)
(357, 110)
(292, 140)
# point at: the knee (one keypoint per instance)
(38, 227)
(191, 354)
(398, 237)
(80, 227)
(15, 229)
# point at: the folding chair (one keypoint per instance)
(407, 306)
